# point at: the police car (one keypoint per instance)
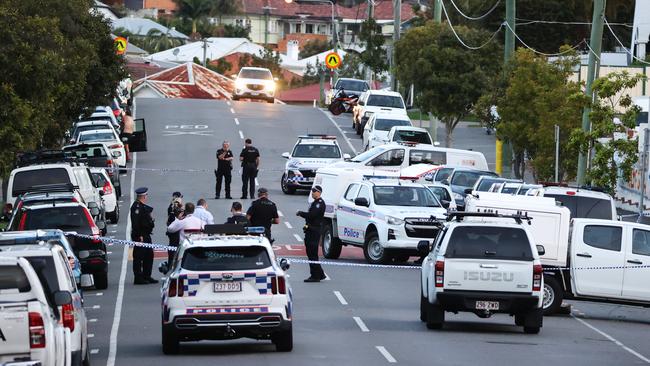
(309, 153)
(225, 283)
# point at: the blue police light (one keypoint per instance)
(255, 230)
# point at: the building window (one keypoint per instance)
(309, 28)
(298, 28)
(239, 22)
(273, 26)
(248, 23)
(322, 29)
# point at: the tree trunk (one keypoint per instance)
(449, 133)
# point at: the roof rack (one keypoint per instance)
(459, 216)
(233, 229)
(317, 136)
(52, 188)
(566, 185)
(45, 157)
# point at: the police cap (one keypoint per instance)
(262, 190)
(142, 191)
(317, 189)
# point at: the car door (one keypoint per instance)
(345, 212)
(637, 255)
(138, 141)
(596, 246)
(360, 216)
(367, 132)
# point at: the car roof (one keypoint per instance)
(42, 166)
(489, 222)
(54, 204)
(213, 241)
(255, 68)
(392, 182)
(45, 195)
(401, 117)
(29, 250)
(580, 192)
(84, 144)
(93, 132)
(101, 122)
(408, 128)
(383, 92)
(316, 142)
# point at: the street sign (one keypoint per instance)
(120, 45)
(332, 60)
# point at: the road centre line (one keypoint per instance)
(94, 351)
(384, 352)
(340, 297)
(361, 324)
(297, 237)
(228, 102)
(288, 225)
(241, 135)
(280, 213)
(612, 339)
(232, 111)
(237, 121)
(340, 130)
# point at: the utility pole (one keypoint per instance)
(504, 151)
(595, 42)
(397, 24)
(205, 46)
(433, 120)
(335, 39)
(371, 14)
(644, 171)
(557, 154)
(437, 11)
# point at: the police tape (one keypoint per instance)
(182, 170)
(343, 264)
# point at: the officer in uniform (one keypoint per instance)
(263, 212)
(224, 169)
(250, 162)
(142, 224)
(313, 221)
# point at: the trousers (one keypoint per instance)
(248, 181)
(222, 175)
(142, 258)
(312, 238)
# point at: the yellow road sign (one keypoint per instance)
(332, 60)
(120, 45)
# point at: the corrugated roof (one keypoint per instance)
(188, 80)
(142, 26)
(383, 9)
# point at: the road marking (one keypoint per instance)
(194, 133)
(340, 130)
(384, 352)
(99, 294)
(241, 135)
(612, 339)
(340, 297)
(228, 102)
(112, 231)
(94, 351)
(91, 335)
(237, 121)
(97, 306)
(361, 324)
(256, 182)
(297, 237)
(289, 248)
(288, 225)
(112, 347)
(280, 213)
(232, 111)
(92, 320)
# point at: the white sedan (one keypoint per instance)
(103, 182)
(110, 138)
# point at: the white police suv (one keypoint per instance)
(221, 285)
(309, 153)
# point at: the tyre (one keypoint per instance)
(86, 360)
(285, 187)
(423, 307)
(114, 217)
(553, 295)
(532, 321)
(170, 343)
(401, 258)
(531, 330)
(373, 251)
(101, 280)
(331, 245)
(283, 340)
(271, 100)
(435, 316)
(118, 190)
(519, 320)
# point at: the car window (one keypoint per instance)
(14, 278)
(509, 189)
(255, 74)
(489, 243)
(225, 258)
(351, 193)
(486, 183)
(80, 129)
(465, 178)
(388, 101)
(603, 237)
(44, 267)
(99, 136)
(404, 196)
(443, 174)
(87, 151)
(316, 151)
(68, 271)
(382, 124)
(71, 218)
(641, 242)
(585, 207)
(441, 193)
(393, 157)
(427, 157)
(366, 155)
(25, 179)
(99, 179)
(419, 137)
(364, 192)
(355, 85)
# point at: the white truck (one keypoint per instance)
(30, 333)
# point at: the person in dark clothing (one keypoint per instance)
(250, 163)
(224, 170)
(263, 212)
(142, 225)
(173, 211)
(313, 222)
(237, 217)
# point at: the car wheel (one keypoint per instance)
(423, 307)
(114, 217)
(552, 293)
(373, 251)
(401, 258)
(271, 100)
(170, 343)
(331, 245)
(531, 330)
(519, 319)
(283, 340)
(285, 186)
(101, 280)
(435, 316)
(234, 97)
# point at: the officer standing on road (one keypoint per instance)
(263, 212)
(313, 222)
(224, 169)
(250, 163)
(142, 224)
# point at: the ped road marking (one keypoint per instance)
(232, 111)
(237, 121)
(340, 297)
(297, 237)
(613, 340)
(384, 352)
(361, 324)
(280, 213)
(241, 135)
(195, 133)
(288, 225)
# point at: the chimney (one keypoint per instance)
(293, 50)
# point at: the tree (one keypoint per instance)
(194, 10)
(614, 151)
(314, 47)
(231, 31)
(352, 66)
(448, 77)
(374, 56)
(157, 41)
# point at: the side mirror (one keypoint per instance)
(116, 154)
(468, 190)
(62, 298)
(423, 247)
(86, 281)
(445, 203)
(94, 211)
(71, 141)
(284, 264)
(361, 201)
(163, 267)
(286, 155)
(445, 181)
(346, 157)
(541, 250)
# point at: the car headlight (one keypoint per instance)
(270, 85)
(240, 84)
(458, 197)
(394, 220)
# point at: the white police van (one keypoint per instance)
(225, 283)
(309, 153)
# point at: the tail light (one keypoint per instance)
(181, 287)
(440, 273)
(67, 312)
(115, 146)
(93, 227)
(171, 290)
(107, 188)
(109, 163)
(36, 331)
(23, 220)
(537, 277)
(278, 285)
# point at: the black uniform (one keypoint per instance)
(313, 222)
(238, 219)
(141, 228)
(263, 212)
(223, 172)
(249, 170)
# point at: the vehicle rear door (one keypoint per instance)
(594, 246)
(138, 141)
(637, 262)
(14, 321)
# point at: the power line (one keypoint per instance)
(474, 18)
(573, 48)
(444, 9)
(532, 21)
(622, 45)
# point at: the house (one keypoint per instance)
(104, 10)
(157, 7)
(142, 26)
(187, 80)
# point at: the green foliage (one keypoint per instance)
(448, 78)
(231, 31)
(57, 58)
(374, 56)
(197, 12)
(155, 41)
(614, 152)
(314, 47)
(351, 67)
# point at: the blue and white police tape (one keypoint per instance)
(185, 170)
(128, 242)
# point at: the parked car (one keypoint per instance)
(411, 134)
(98, 155)
(110, 138)
(376, 101)
(110, 195)
(376, 130)
(351, 87)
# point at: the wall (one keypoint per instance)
(640, 89)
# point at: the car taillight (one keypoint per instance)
(107, 188)
(23, 220)
(171, 290)
(278, 285)
(440, 273)
(36, 331)
(67, 312)
(537, 277)
(109, 163)
(181, 287)
(93, 227)
(115, 146)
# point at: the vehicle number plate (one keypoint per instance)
(227, 287)
(487, 305)
(255, 93)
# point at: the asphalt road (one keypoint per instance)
(361, 316)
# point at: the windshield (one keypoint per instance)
(404, 196)
(368, 154)
(585, 207)
(387, 124)
(466, 178)
(485, 183)
(226, 258)
(100, 136)
(30, 178)
(87, 151)
(13, 277)
(354, 85)
(489, 242)
(387, 101)
(443, 174)
(255, 74)
(316, 151)
(641, 117)
(419, 137)
(441, 193)
(81, 129)
(64, 218)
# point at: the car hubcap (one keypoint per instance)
(549, 296)
(327, 241)
(284, 183)
(375, 250)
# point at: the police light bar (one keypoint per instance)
(233, 229)
(255, 229)
(368, 177)
(317, 136)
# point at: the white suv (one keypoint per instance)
(222, 286)
(376, 101)
(376, 131)
(254, 83)
(485, 264)
(584, 202)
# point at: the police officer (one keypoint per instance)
(142, 224)
(224, 169)
(250, 162)
(263, 212)
(313, 221)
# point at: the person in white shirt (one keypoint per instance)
(202, 212)
(186, 222)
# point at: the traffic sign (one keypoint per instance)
(120, 45)
(332, 60)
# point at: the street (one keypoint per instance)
(361, 316)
